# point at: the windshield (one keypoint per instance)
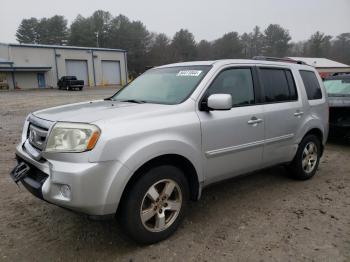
(337, 86)
(170, 85)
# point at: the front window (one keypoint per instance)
(336, 87)
(170, 85)
(237, 82)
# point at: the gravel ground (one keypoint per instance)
(261, 217)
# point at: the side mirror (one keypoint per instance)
(219, 102)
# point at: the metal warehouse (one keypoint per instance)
(24, 66)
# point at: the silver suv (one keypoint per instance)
(153, 146)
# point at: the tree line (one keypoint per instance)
(147, 49)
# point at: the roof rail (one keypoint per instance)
(277, 59)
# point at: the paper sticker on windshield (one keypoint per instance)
(189, 73)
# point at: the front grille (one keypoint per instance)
(38, 130)
(37, 136)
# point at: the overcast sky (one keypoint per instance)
(206, 19)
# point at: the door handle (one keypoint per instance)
(298, 114)
(254, 121)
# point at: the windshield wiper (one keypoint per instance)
(133, 101)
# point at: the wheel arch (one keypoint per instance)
(179, 161)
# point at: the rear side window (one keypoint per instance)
(311, 84)
(278, 85)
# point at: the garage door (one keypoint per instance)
(79, 69)
(110, 72)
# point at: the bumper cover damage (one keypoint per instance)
(95, 187)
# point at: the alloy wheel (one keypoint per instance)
(161, 205)
(310, 157)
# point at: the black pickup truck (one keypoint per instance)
(338, 89)
(70, 83)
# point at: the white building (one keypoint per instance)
(323, 65)
(40, 66)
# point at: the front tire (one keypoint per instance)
(155, 205)
(307, 158)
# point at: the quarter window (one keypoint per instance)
(238, 83)
(311, 84)
(278, 85)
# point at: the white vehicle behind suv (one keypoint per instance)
(146, 151)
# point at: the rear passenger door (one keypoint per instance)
(283, 114)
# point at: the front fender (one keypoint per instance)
(140, 152)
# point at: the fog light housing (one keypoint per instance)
(65, 191)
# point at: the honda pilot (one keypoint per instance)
(142, 154)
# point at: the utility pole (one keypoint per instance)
(97, 42)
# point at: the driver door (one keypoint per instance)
(233, 140)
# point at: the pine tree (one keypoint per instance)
(27, 31)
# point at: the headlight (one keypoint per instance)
(72, 137)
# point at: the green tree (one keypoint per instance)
(228, 46)
(247, 43)
(318, 45)
(204, 50)
(276, 40)
(253, 43)
(257, 39)
(159, 52)
(144, 49)
(183, 46)
(81, 33)
(52, 31)
(297, 49)
(100, 25)
(133, 37)
(119, 32)
(341, 48)
(91, 31)
(27, 31)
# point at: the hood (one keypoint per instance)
(88, 112)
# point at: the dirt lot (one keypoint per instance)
(261, 217)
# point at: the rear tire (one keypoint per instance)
(155, 205)
(307, 158)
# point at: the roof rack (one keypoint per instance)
(278, 59)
